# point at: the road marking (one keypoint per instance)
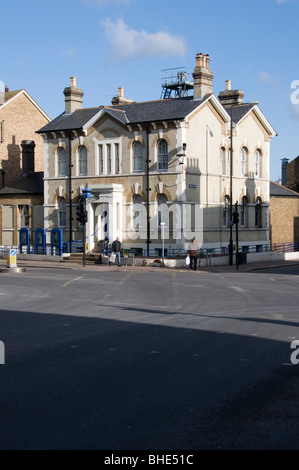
(111, 294)
(238, 289)
(74, 280)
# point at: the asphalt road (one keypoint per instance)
(149, 360)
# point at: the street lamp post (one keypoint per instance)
(163, 244)
(86, 195)
(231, 242)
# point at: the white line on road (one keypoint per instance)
(74, 280)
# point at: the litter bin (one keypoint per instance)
(242, 258)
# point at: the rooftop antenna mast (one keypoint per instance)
(176, 83)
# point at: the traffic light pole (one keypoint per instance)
(83, 218)
(237, 235)
(84, 233)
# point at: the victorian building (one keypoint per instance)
(161, 164)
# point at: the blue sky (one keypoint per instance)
(112, 43)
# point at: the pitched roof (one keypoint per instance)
(281, 191)
(32, 183)
(12, 95)
(238, 112)
(135, 113)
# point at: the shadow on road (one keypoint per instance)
(87, 383)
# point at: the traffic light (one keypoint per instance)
(85, 217)
(80, 211)
(236, 218)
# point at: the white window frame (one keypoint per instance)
(62, 212)
(161, 157)
(223, 161)
(244, 158)
(83, 162)
(61, 162)
(138, 162)
(137, 216)
(258, 163)
(102, 147)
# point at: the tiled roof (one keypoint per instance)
(135, 113)
(238, 112)
(282, 191)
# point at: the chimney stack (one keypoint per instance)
(284, 166)
(230, 97)
(73, 97)
(203, 77)
(120, 98)
(28, 151)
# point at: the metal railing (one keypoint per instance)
(290, 247)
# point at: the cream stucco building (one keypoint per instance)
(165, 161)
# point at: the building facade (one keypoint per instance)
(160, 168)
(21, 165)
(284, 215)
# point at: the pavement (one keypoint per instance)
(106, 268)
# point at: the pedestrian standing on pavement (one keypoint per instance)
(116, 249)
(193, 253)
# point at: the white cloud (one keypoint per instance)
(129, 44)
(285, 1)
(68, 54)
(265, 77)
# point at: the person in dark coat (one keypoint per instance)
(193, 253)
(116, 249)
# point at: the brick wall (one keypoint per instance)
(22, 119)
(284, 215)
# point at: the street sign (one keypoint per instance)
(12, 259)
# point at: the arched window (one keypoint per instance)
(137, 212)
(162, 210)
(162, 155)
(244, 212)
(24, 216)
(223, 161)
(244, 162)
(61, 212)
(61, 159)
(137, 157)
(82, 161)
(225, 214)
(258, 164)
(258, 213)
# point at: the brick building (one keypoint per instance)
(292, 174)
(21, 164)
(20, 118)
(284, 215)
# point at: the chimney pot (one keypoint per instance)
(228, 85)
(6, 89)
(73, 82)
